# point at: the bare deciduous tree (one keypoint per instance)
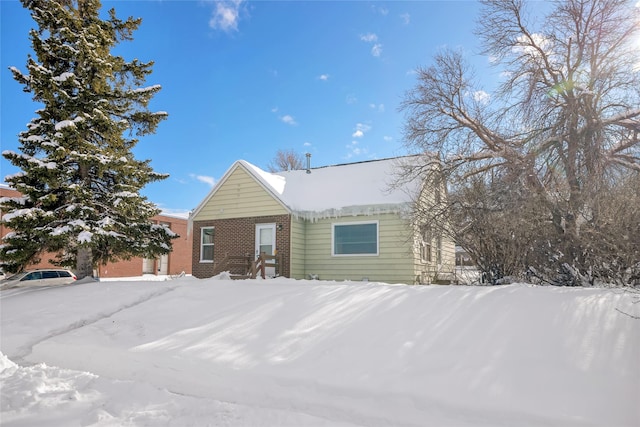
(286, 160)
(563, 124)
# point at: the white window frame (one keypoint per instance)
(341, 224)
(425, 252)
(202, 244)
(426, 244)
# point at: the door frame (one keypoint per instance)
(270, 271)
(269, 225)
(163, 264)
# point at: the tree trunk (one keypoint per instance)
(84, 264)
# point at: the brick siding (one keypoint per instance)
(125, 268)
(179, 259)
(237, 237)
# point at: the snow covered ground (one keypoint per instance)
(282, 352)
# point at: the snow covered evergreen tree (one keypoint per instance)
(80, 181)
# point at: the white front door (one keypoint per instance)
(163, 264)
(266, 242)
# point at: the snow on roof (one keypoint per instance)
(175, 214)
(347, 189)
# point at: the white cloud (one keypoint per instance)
(369, 37)
(530, 47)
(381, 10)
(351, 99)
(226, 15)
(481, 96)
(406, 18)
(323, 77)
(307, 144)
(361, 129)
(211, 181)
(378, 107)
(376, 50)
(288, 120)
(355, 150)
(387, 138)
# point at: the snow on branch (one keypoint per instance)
(147, 89)
(67, 123)
(26, 213)
(624, 118)
(63, 77)
(22, 78)
(60, 230)
(18, 200)
(85, 237)
(125, 194)
(33, 160)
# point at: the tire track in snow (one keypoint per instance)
(25, 350)
(17, 291)
(361, 407)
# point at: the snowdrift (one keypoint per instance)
(286, 352)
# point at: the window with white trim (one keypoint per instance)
(206, 244)
(354, 238)
(425, 244)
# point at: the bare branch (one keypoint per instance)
(286, 160)
(561, 128)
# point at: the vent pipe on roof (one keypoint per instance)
(308, 162)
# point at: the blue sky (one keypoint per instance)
(244, 79)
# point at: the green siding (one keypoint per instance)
(298, 229)
(398, 261)
(240, 196)
(394, 264)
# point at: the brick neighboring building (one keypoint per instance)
(176, 262)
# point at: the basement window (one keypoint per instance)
(355, 238)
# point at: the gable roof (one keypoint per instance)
(347, 189)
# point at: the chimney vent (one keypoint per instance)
(308, 162)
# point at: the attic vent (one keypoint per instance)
(308, 162)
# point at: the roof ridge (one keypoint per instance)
(350, 164)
